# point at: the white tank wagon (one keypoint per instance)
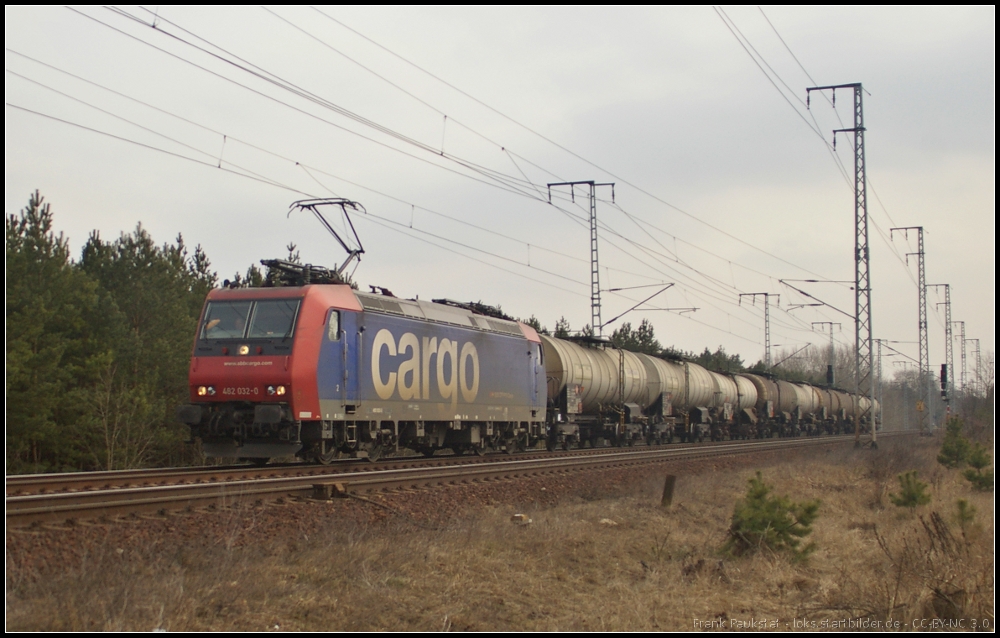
(590, 386)
(599, 393)
(785, 408)
(595, 371)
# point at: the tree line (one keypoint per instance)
(97, 348)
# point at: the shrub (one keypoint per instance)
(981, 480)
(775, 522)
(955, 448)
(965, 514)
(912, 492)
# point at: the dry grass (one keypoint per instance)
(570, 569)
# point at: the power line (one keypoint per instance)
(815, 126)
(702, 274)
(303, 166)
(154, 148)
(507, 188)
(570, 152)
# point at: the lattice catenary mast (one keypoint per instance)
(864, 379)
(595, 285)
(949, 356)
(924, 373)
(767, 320)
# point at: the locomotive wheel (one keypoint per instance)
(329, 457)
(257, 461)
(510, 445)
(480, 449)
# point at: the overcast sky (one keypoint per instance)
(446, 124)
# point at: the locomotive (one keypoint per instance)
(321, 371)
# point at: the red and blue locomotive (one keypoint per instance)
(321, 371)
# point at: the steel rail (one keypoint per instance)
(22, 484)
(55, 507)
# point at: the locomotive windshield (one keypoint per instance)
(265, 319)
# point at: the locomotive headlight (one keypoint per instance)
(278, 390)
(244, 349)
(204, 390)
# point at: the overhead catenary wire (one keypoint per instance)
(529, 182)
(576, 155)
(274, 183)
(537, 189)
(308, 194)
(187, 31)
(284, 158)
(434, 152)
(227, 52)
(840, 164)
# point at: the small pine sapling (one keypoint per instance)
(912, 492)
(955, 447)
(775, 522)
(965, 514)
(979, 459)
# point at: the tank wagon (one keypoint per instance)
(322, 371)
(599, 393)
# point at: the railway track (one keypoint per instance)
(119, 493)
(28, 484)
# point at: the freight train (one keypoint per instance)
(321, 371)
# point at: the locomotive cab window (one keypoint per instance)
(265, 319)
(274, 319)
(333, 327)
(226, 320)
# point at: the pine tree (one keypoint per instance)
(641, 339)
(760, 520)
(535, 323)
(912, 492)
(53, 315)
(158, 292)
(954, 448)
(562, 329)
(979, 459)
